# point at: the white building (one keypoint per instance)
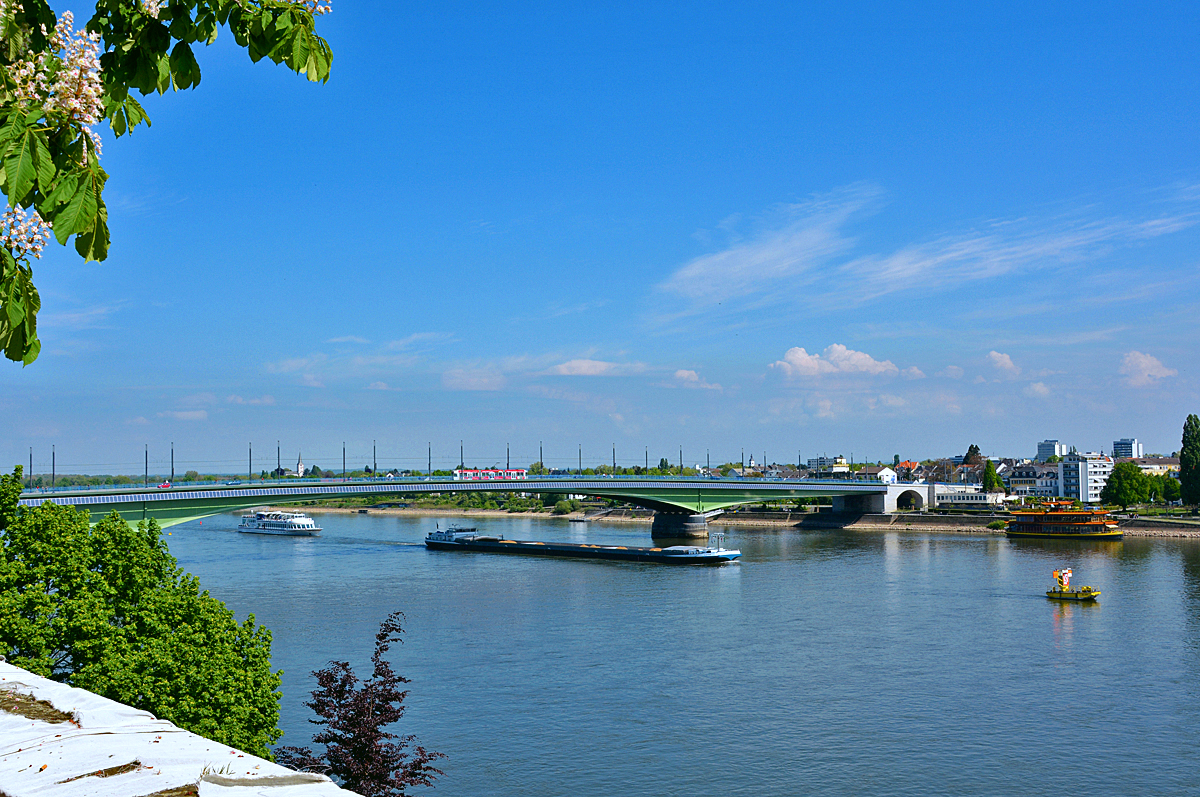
(1127, 447)
(300, 468)
(1081, 477)
(836, 464)
(1050, 448)
(882, 473)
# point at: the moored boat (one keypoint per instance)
(1062, 588)
(456, 539)
(1056, 521)
(285, 524)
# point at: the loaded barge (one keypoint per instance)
(455, 539)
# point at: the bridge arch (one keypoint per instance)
(910, 499)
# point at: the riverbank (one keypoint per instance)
(940, 524)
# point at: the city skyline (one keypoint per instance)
(623, 226)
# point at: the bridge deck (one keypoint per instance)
(180, 504)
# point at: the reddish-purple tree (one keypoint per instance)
(359, 754)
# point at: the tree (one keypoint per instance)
(1189, 462)
(895, 460)
(109, 610)
(973, 456)
(1053, 459)
(359, 754)
(1170, 489)
(1126, 485)
(58, 83)
(992, 483)
(663, 465)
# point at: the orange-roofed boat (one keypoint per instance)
(1056, 520)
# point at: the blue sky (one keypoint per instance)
(866, 230)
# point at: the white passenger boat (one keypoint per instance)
(287, 524)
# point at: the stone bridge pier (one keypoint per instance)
(681, 524)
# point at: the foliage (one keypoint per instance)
(997, 525)
(973, 456)
(109, 610)
(562, 508)
(58, 83)
(1053, 459)
(1126, 485)
(1189, 462)
(359, 754)
(992, 483)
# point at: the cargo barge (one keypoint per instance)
(455, 539)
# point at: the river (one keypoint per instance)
(822, 663)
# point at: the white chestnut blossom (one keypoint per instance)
(152, 7)
(316, 7)
(23, 234)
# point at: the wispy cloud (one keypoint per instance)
(348, 339)
(260, 400)
(790, 244)
(185, 415)
(1142, 370)
(807, 252)
(474, 379)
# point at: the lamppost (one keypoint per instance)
(51, 467)
(374, 462)
(429, 472)
(343, 460)
(146, 475)
(581, 459)
(250, 462)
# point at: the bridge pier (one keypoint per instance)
(679, 524)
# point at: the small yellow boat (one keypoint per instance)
(1062, 589)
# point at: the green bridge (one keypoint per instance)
(677, 501)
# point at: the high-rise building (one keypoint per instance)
(1081, 477)
(1127, 447)
(1050, 448)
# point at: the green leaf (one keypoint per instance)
(19, 169)
(185, 72)
(43, 163)
(92, 243)
(79, 214)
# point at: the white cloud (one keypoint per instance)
(261, 400)
(836, 359)
(185, 415)
(686, 378)
(310, 380)
(912, 372)
(979, 380)
(1037, 390)
(138, 421)
(378, 386)
(585, 367)
(1004, 364)
(348, 339)
(951, 372)
(1141, 370)
(473, 379)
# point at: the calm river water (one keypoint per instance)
(837, 663)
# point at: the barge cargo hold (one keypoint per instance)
(469, 540)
